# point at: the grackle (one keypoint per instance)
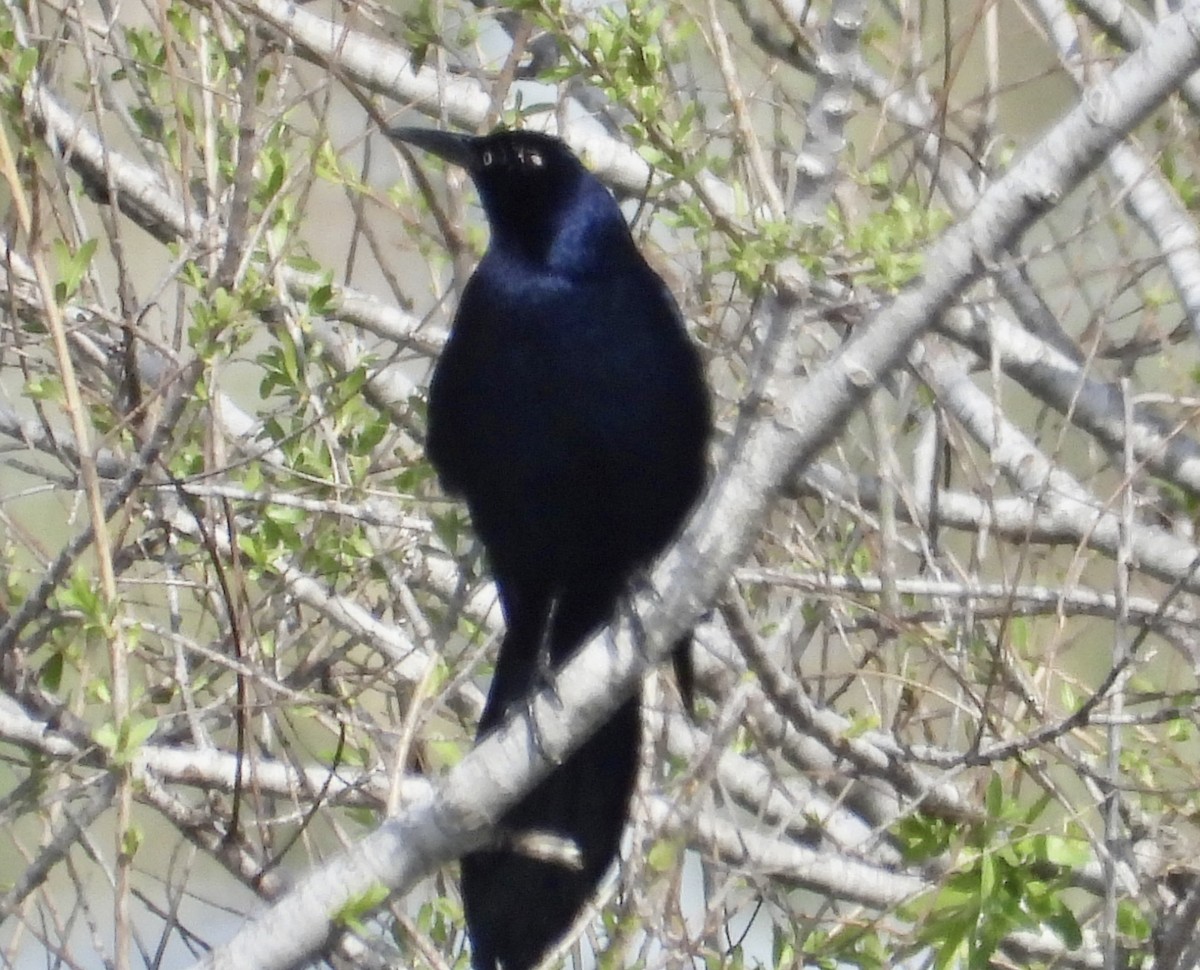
(569, 409)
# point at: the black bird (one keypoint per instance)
(569, 409)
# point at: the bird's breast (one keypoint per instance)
(562, 416)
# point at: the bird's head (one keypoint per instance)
(537, 195)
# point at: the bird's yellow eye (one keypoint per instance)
(529, 157)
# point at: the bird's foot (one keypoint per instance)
(681, 654)
(542, 685)
(639, 583)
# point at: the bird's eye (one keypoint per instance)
(487, 157)
(534, 158)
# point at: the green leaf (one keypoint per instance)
(995, 797)
(1131, 921)
(664, 856)
(121, 744)
(987, 876)
(23, 65)
(52, 671)
(351, 914)
(1062, 921)
(44, 388)
(321, 299)
(71, 267)
(140, 730)
(1066, 852)
(131, 841)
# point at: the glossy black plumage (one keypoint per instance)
(569, 409)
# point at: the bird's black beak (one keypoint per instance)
(447, 145)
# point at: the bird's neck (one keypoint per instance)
(587, 237)
(598, 244)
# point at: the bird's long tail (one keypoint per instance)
(517, 906)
